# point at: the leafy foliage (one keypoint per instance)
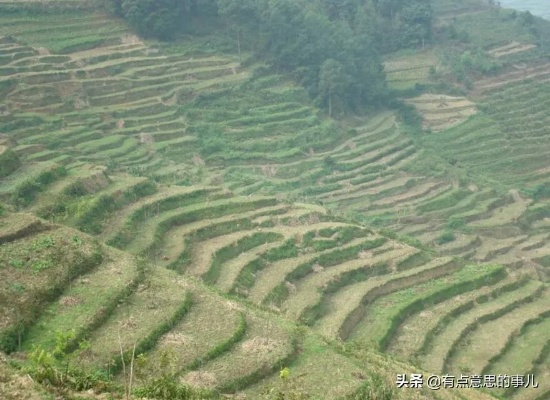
(333, 48)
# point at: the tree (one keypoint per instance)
(332, 83)
(417, 22)
(158, 18)
(340, 9)
(389, 8)
(239, 15)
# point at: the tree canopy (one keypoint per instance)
(332, 47)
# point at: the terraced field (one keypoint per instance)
(134, 107)
(120, 301)
(404, 72)
(194, 192)
(510, 48)
(129, 114)
(443, 112)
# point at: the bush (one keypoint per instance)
(167, 388)
(25, 193)
(375, 388)
(445, 238)
(9, 162)
(541, 191)
(455, 223)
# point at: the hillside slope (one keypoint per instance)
(150, 190)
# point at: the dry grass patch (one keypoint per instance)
(484, 343)
(150, 306)
(383, 365)
(440, 112)
(526, 348)
(15, 386)
(309, 290)
(148, 227)
(379, 314)
(32, 267)
(210, 322)
(460, 245)
(410, 336)
(264, 345)
(115, 222)
(203, 252)
(269, 278)
(491, 247)
(232, 268)
(86, 301)
(369, 189)
(510, 48)
(507, 214)
(434, 361)
(17, 226)
(351, 299)
(311, 369)
(420, 192)
(174, 242)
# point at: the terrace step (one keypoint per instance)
(350, 302)
(482, 345)
(86, 300)
(412, 334)
(262, 351)
(190, 343)
(20, 225)
(142, 318)
(456, 328)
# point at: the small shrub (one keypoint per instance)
(445, 238)
(9, 162)
(455, 223)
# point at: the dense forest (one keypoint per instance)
(332, 47)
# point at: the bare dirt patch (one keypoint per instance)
(511, 48)
(261, 345)
(69, 301)
(131, 39)
(42, 51)
(177, 339)
(201, 379)
(7, 141)
(14, 386)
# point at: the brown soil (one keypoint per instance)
(69, 301)
(261, 345)
(176, 338)
(200, 379)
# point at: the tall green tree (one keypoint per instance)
(159, 18)
(333, 83)
(416, 23)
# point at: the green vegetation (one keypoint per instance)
(9, 162)
(292, 188)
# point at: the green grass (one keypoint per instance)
(85, 303)
(34, 271)
(213, 121)
(141, 319)
(476, 358)
(455, 330)
(490, 28)
(191, 344)
(387, 313)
